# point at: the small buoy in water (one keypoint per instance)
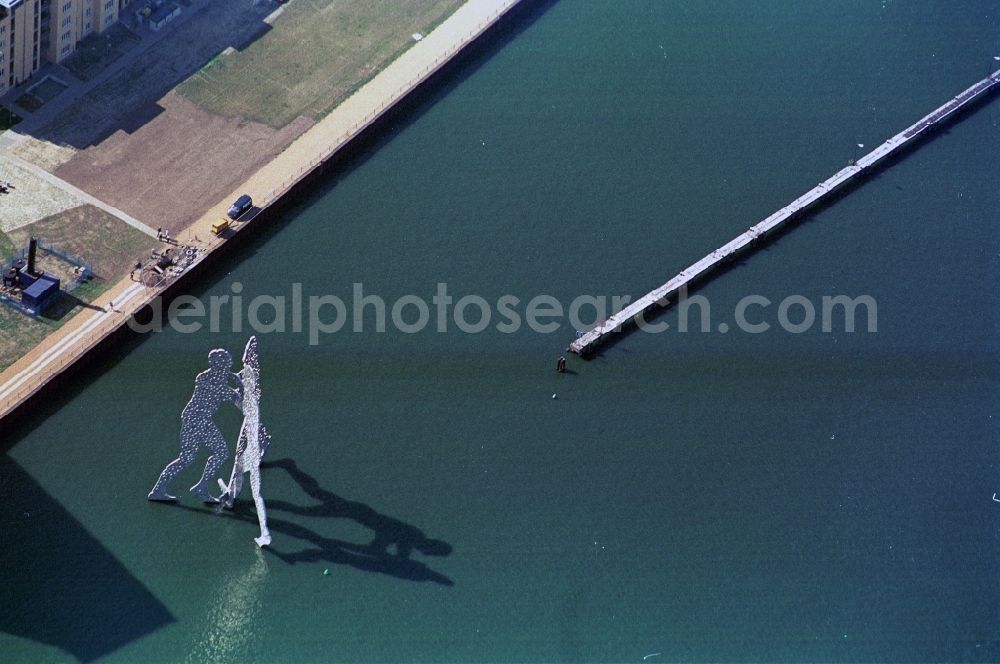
(555, 396)
(326, 572)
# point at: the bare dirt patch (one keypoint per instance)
(169, 171)
(104, 241)
(54, 265)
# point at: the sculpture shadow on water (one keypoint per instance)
(390, 551)
(62, 586)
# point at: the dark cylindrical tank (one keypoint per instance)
(32, 248)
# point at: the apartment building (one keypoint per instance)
(33, 32)
(20, 26)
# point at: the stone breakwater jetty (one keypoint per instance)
(659, 298)
(106, 318)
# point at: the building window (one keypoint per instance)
(108, 5)
(66, 21)
(65, 49)
(65, 36)
(67, 6)
(88, 27)
(109, 20)
(88, 11)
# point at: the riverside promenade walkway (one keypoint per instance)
(86, 330)
(659, 297)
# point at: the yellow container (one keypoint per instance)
(220, 226)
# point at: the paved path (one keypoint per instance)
(79, 193)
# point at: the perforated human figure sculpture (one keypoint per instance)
(252, 443)
(212, 388)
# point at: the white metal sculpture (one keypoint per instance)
(212, 388)
(252, 442)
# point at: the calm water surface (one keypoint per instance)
(771, 497)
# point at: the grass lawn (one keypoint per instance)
(6, 246)
(70, 304)
(91, 233)
(104, 241)
(20, 333)
(89, 290)
(8, 119)
(316, 55)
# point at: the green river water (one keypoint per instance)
(823, 496)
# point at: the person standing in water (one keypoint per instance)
(252, 443)
(212, 388)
